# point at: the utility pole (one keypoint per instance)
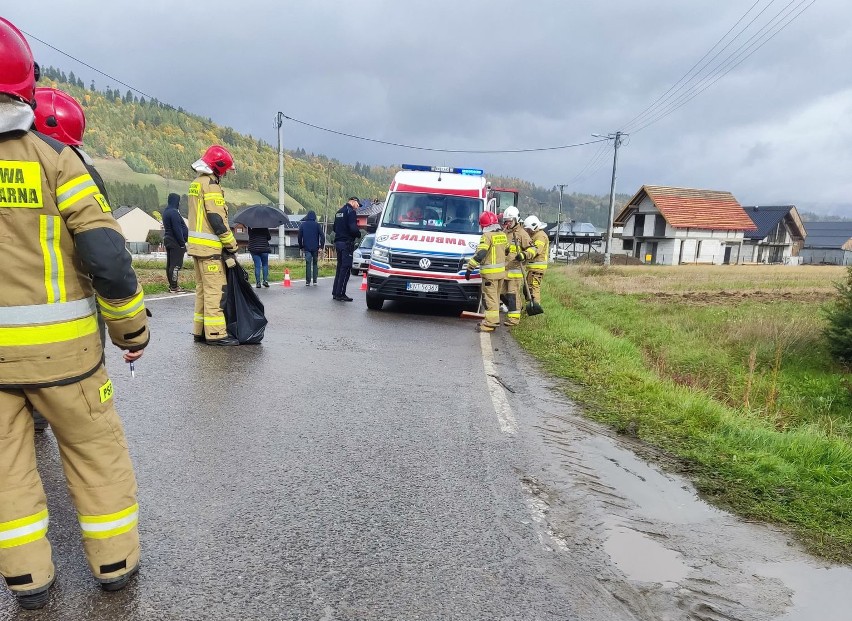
(558, 225)
(280, 122)
(327, 194)
(616, 138)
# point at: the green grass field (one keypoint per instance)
(119, 171)
(152, 274)
(724, 371)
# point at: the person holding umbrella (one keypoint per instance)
(259, 219)
(258, 245)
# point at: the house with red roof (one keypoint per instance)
(669, 226)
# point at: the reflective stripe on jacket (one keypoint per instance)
(56, 228)
(542, 247)
(519, 243)
(206, 202)
(490, 256)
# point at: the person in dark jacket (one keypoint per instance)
(258, 246)
(345, 233)
(311, 242)
(174, 238)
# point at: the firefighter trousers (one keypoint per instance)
(512, 288)
(98, 472)
(491, 301)
(210, 286)
(534, 278)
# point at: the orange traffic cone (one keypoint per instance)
(286, 282)
(364, 282)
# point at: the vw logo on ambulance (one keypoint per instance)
(425, 263)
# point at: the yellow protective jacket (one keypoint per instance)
(490, 256)
(519, 243)
(209, 232)
(63, 256)
(542, 246)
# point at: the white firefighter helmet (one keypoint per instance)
(532, 223)
(511, 213)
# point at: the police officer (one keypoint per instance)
(63, 254)
(346, 231)
(212, 246)
(536, 268)
(519, 249)
(490, 259)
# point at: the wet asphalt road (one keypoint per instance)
(350, 467)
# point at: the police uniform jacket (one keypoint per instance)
(63, 257)
(209, 233)
(346, 225)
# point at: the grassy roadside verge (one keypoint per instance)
(152, 274)
(723, 368)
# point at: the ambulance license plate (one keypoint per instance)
(422, 287)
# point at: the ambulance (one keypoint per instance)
(428, 230)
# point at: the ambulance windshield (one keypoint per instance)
(432, 212)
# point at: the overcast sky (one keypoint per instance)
(499, 74)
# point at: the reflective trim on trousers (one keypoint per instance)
(110, 524)
(23, 530)
(46, 313)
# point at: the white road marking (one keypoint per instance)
(506, 418)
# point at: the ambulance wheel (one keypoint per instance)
(374, 302)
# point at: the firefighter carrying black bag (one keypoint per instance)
(244, 313)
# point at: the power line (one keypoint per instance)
(716, 76)
(674, 87)
(332, 131)
(419, 148)
(86, 64)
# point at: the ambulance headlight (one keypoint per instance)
(380, 254)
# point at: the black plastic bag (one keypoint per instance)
(244, 316)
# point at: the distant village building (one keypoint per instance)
(827, 243)
(575, 239)
(777, 237)
(135, 226)
(669, 226)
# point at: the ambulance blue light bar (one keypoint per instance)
(478, 172)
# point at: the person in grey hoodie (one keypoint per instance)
(311, 242)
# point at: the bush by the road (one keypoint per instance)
(727, 369)
(839, 316)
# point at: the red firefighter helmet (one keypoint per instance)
(58, 115)
(219, 159)
(487, 218)
(17, 68)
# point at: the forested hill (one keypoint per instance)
(158, 142)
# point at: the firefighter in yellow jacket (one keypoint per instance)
(519, 249)
(63, 256)
(537, 266)
(212, 246)
(490, 260)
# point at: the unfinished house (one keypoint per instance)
(669, 226)
(828, 243)
(778, 235)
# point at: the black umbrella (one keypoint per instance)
(261, 217)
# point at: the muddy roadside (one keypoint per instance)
(641, 532)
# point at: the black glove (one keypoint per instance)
(519, 257)
(467, 274)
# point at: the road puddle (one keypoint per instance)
(643, 559)
(818, 592)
